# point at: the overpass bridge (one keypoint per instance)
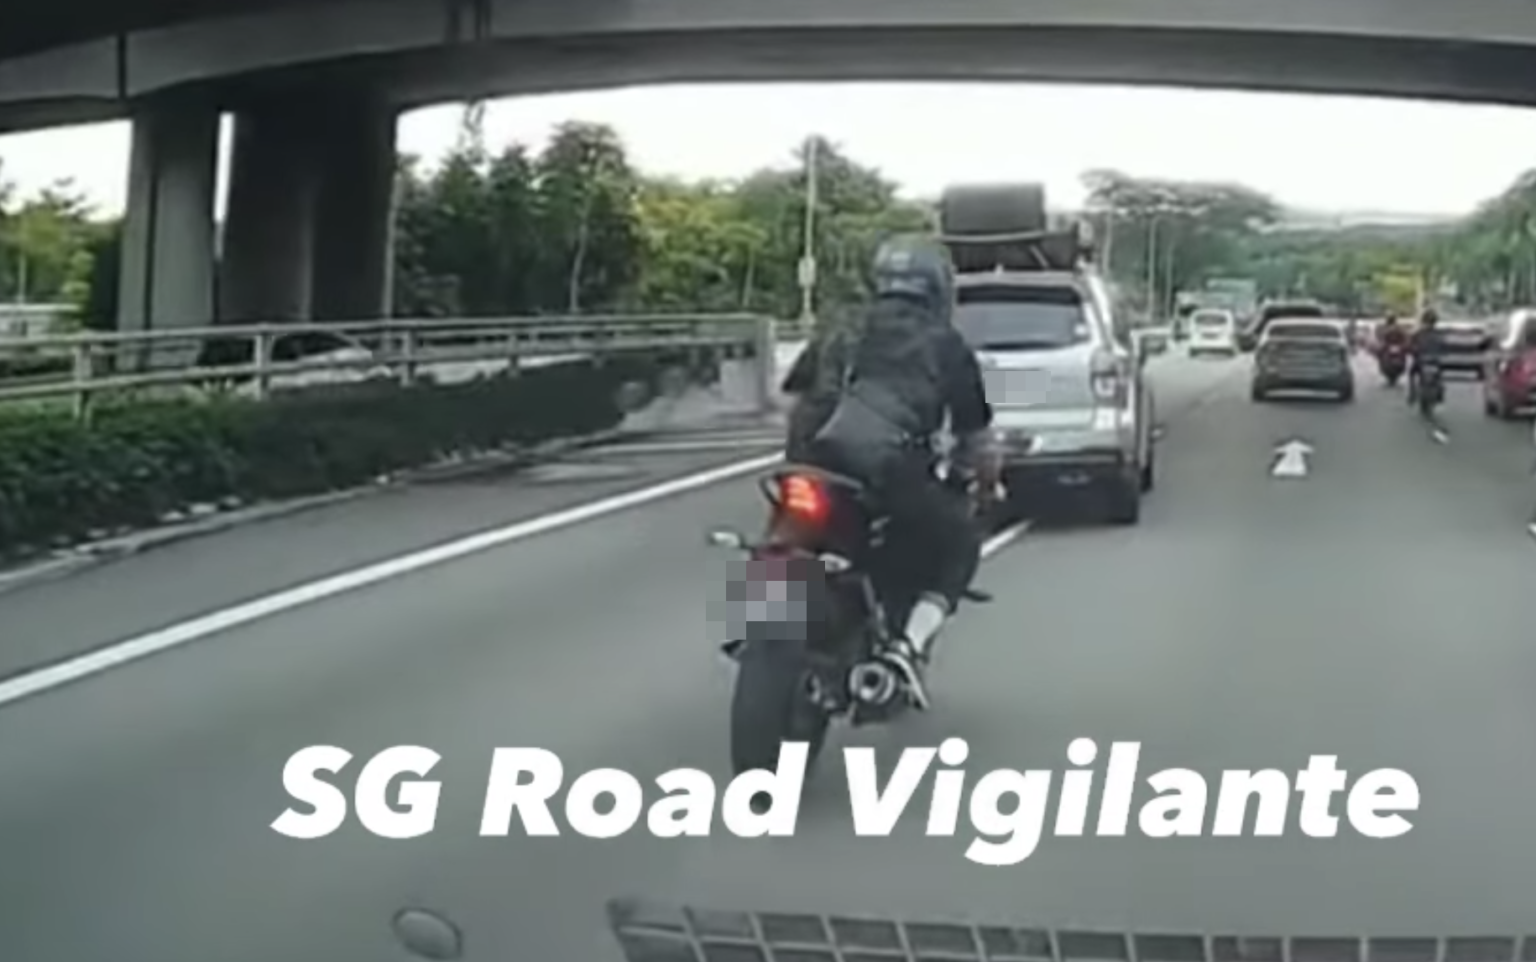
(316, 87)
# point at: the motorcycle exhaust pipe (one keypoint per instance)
(872, 683)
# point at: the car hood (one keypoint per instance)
(652, 932)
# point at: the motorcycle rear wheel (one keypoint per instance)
(771, 705)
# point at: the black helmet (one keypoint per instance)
(1430, 317)
(916, 268)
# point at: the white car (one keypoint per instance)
(356, 362)
(1212, 332)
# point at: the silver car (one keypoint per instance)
(1071, 407)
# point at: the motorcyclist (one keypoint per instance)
(1425, 344)
(899, 374)
(1392, 333)
(1391, 338)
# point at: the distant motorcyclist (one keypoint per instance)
(1392, 334)
(1426, 341)
(1391, 350)
(1425, 348)
(899, 374)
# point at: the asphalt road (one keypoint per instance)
(1376, 609)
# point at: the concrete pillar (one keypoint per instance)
(167, 265)
(352, 242)
(269, 228)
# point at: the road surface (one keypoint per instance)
(1377, 609)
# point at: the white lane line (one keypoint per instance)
(163, 639)
(1004, 538)
(701, 444)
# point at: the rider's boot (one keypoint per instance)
(908, 655)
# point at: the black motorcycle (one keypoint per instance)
(1426, 390)
(815, 603)
(1392, 361)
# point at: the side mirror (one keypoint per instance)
(726, 538)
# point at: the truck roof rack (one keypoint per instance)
(1059, 249)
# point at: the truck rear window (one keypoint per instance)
(1016, 318)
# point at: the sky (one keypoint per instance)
(1311, 152)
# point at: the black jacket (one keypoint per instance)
(910, 367)
(1425, 343)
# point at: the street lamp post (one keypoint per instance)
(807, 267)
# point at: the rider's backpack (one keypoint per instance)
(892, 394)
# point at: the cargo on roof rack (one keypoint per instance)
(1005, 227)
(1064, 249)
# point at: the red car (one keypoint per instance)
(1509, 377)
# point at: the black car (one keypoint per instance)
(1298, 355)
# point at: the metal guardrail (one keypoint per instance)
(798, 329)
(402, 349)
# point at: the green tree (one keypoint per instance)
(577, 228)
(98, 300)
(44, 244)
(700, 252)
(587, 192)
(856, 208)
(1173, 234)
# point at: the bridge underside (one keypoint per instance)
(307, 227)
(29, 26)
(1439, 70)
(1484, 72)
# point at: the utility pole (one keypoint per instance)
(807, 272)
(1106, 250)
(472, 127)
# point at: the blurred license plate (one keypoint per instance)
(1017, 387)
(767, 595)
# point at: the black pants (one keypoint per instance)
(930, 524)
(933, 522)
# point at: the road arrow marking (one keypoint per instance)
(1291, 459)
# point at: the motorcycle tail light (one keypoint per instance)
(804, 499)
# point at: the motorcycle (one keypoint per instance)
(826, 599)
(1427, 388)
(1392, 361)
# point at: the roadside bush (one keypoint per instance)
(33, 365)
(63, 480)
